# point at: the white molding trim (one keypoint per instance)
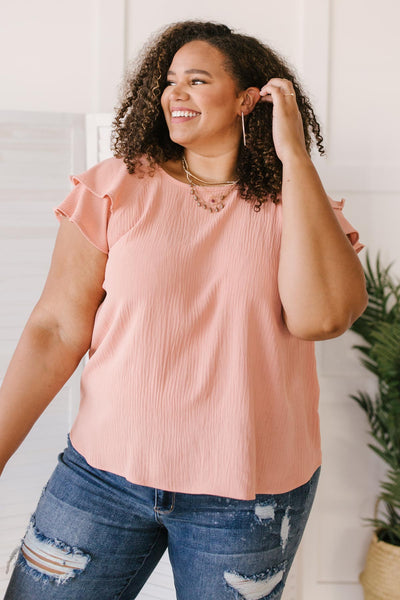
(95, 122)
(78, 142)
(109, 49)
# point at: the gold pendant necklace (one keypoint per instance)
(215, 207)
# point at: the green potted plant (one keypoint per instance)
(379, 327)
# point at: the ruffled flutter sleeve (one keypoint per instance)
(89, 211)
(347, 227)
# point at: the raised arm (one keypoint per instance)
(57, 335)
(321, 280)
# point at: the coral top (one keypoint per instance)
(193, 383)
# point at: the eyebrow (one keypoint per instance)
(191, 71)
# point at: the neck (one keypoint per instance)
(213, 169)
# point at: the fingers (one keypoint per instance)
(277, 89)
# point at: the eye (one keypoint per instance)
(169, 83)
(197, 81)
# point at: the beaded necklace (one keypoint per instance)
(216, 207)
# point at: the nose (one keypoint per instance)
(179, 92)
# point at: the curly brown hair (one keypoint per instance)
(139, 127)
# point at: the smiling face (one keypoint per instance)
(200, 102)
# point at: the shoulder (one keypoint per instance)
(103, 177)
(110, 178)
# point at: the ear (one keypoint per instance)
(249, 99)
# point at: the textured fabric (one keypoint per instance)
(193, 383)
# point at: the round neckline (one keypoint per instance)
(212, 187)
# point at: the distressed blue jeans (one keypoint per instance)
(95, 536)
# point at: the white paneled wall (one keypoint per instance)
(38, 151)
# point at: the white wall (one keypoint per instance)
(69, 57)
(64, 56)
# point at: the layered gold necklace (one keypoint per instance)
(217, 204)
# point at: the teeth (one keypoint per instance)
(183, 113)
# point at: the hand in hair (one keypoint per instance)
(287, 124)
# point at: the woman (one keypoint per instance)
(198, 425)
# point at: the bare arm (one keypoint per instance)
(321, 280)
(55, 338)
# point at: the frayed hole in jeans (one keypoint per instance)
(53, 559)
